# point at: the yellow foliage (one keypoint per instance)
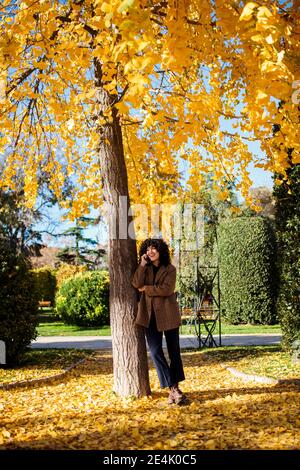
(173, 76)
(67, 271)
(248, 11)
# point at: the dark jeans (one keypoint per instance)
(168, 374)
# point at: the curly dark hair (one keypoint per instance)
(160, 245)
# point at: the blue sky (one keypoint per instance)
(261, 177)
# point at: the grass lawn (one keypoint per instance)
(268, 360)
(58, 328)
(51, 326)
(227, 329)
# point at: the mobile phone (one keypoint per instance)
(148, 259)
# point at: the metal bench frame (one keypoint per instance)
(204, 318)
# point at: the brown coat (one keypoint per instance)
(161, 295)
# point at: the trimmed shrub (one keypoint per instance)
(67, 271)
(247, 249)
(84, 299)
(18, 304)
(45, 283)
(287, 219)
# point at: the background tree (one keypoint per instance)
(264, 201)
(22, 225)
(17, 224)
(81, 252)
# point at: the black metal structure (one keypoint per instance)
(200, 302)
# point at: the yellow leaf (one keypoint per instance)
(210, 444)
(107, 22)
(257, 37)
(264, 12)
(270, 39)
(90, 94)
(142, 45)
(145, 62)
(268, 66)
(70, 124)
(261, 95)
(248, 11)
(127, 24)
(122, 107)
(125, 5)
(105, 7)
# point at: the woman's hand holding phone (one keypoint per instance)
(145, 260)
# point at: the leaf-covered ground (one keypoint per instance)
(81, 412)
(42, 363)
(268, 361)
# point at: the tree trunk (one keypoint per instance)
(131, 376)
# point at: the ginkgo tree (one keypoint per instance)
(114, 94)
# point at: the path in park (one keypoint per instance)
(104, 342)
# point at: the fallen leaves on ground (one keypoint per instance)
(37, 364)
(268, 361)
(275, 364)
(81, 412)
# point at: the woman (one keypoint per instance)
(158, 312)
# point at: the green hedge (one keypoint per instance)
(247, 250)
(84, 299)
(18, 304)
(45, 283)
(287, 219)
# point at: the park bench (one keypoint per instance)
(44, 303)
(203, 319)
(203, 314)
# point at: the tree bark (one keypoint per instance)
(131, 376)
